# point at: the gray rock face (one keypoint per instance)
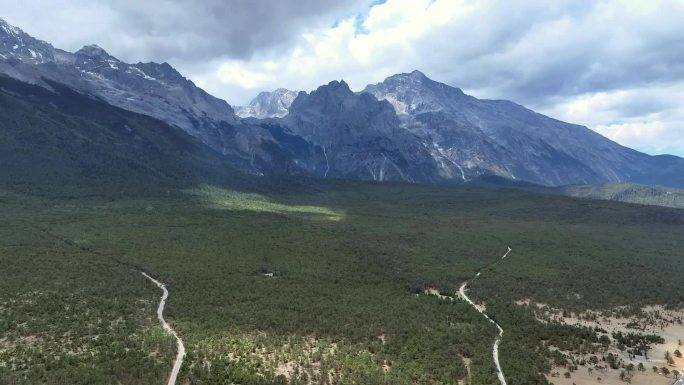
(415, 93)
(16, 44)
(358, 136)
(153, 89)
(473, 137)
(274, 104)
(406, 128)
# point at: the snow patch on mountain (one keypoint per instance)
(15, 43)
(275, 104)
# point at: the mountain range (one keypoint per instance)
(406, 128)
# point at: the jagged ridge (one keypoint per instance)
(406, 128)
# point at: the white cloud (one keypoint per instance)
(653, 136)
(361, 48)
(610, 65)
(648, 118)
(232, 73)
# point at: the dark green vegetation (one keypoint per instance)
(69, 315)
(650, 195)
(349, 265)
(574, 253)
(56, 141)
(628, 192)
(277, 281)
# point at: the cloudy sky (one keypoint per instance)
(616, 66)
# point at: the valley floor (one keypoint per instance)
(304, 287)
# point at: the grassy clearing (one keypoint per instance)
(224, 199)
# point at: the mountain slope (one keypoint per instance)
(15, 44)
(360, 137)
(407, 128)
(156, 90)
(508, 140)
(61, 139)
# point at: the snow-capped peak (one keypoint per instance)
(275, 104)
(15, 43)
(9, 29)
(414, 93)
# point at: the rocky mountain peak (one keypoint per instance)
(15, 43)
(353, 131)
(418, 75)
(94, 58)
(275, 104)
(281, 91)
(8, 29)
(163, 71)
(330, 99)
(154, 89)
(339, 85)
(414, 93)
(333, 91)
(335, 105)
(94, 51)
(414, 78)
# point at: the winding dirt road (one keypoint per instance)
(495, 349)
(178, 362)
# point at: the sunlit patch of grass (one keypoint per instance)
(223, 199)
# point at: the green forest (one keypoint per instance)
(626, 192)
(318, 283)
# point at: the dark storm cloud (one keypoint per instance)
(209, 28)
(162, 30)
(600, 69)
(566, 51)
